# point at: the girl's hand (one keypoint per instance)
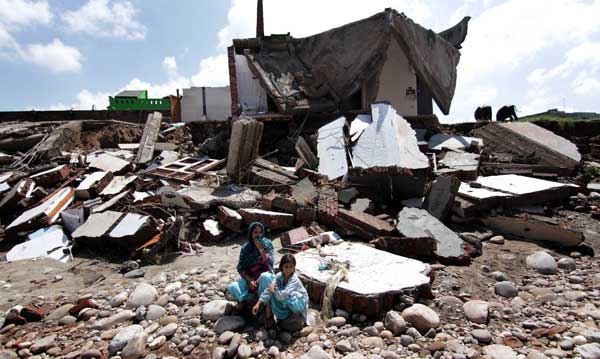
(255, 308)
(252, 285)
(272, 288)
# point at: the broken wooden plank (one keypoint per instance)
(306, 154)
(150, 135)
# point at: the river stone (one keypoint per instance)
(483, 336)
(167, 330)
(542, 262)
(143, 294)
(316, 352)
(231, 323)
(216, 309)
(567, 264)
(589, 351)
(476, 311)
(394, 322)
(244, 351)
(506, 289)
(43, 344)
(124, 335)
(136, 347)
(497, 351)
(155, 312)
(421, 317)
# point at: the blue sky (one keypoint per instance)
(73, 54)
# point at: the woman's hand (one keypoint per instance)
(252, 285)
(272, 288)
(256, 308)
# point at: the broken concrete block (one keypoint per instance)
(306, 154)
(21, 190)
(110, 203)
(52, 176)
(306, 215)
(464, 165)
(388, 141)
(331, 149)
(440, 198)
(545, 137)
(304, 192)
(347, 195)
(230, 196)
(132, 230)
(294, 237)
(301, 238)
(117, 185)
(93, 184)
(146, 150)
(407, 247)
(418, 223)
(95, 227)
(267, 174)
(107, 163)
(271, 220)
(368, 223)
(211, 231)
(229, 218)
(62, 138)
(389, 184)
(363, 205)
(358, 126)
(45, 213)
(48, 242)
(286, 204)
(246, 134)
(536, 228)
(360, 293)
(442, 141)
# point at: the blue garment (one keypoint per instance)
(249, 254)
(287, 299)
(240, 292)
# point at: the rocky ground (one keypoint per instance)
(517, 300)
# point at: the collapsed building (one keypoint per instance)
(332, 144)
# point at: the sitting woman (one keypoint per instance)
(255, 266)
(285, 298)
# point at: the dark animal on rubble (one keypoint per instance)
(483, 113)
(507, 113)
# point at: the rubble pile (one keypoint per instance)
(415, 215)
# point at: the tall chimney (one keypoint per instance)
(260, 24)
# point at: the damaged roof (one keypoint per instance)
(316, 73)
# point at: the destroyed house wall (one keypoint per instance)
(251, 96)
(206, 104)
(397, 82)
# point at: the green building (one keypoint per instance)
(137, 100)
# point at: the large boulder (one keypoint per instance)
(506, 289)
(216, 309)
(476, 311)
(143, 294)
(542, 262)
(229, 323)
(421, 317)
(394, 322)
(123, 337)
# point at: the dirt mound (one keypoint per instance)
(110, 136)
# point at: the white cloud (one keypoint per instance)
(55, 56)
(24, 12)
(85, 100)
(587, 86)
(213, 71)
(106, 18)
(169, 65)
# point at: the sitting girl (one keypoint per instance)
(285, 298)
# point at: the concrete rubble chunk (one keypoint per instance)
(149, 136)
(108, 163)
(205, 197)
(211, 230)
(545, 138)
(440, 198)
(117, 185)
(304, 192)
(272, 220)
(63, 138)
(47, 242)
(442, 141)
(388, 141)
(464, 165)
(96, 226)
(268, 175)
(331, 149)
(369, 226)
(45, 213)
(418, 223)
(21, 190)
(229, 218)
(246, 134)
(93, 184)
(110, 203)
(365, 263)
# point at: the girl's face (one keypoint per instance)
(288, 269)
(257, 232)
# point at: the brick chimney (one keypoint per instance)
(260, 23)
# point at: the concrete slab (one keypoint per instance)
(46, 242)
(440, 198)
(117, 185)
(418, 223)
(108, 163)
(359, 125)
(45, 213)
(129, 225)
(545, 138)
(443, 141)
(230, 196)
(93, 184)
(146, 151)
(519, 185)
(271, 220)
(97, 225)
(110, 203)
(304, 192)
(388, 141)
(331, 149)
(464, 164)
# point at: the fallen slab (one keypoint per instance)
(149, 136)
(52, 176)
(331, 149)
(267, 175)
(527, 140)
(229, 218)
(418, 223)
(111, 202)
(421, 248)
(271, 220)
(440, 198)
(93, 184)
(370, 226)
(45, 213)
(63, 138)
(464, 165)
(442, 141)
(536, 228)
(117, 185)
(48, 242)
(95, 227)
(200, 198)
(107, 163)
(132, 230)
(361, 293)
(246, 134)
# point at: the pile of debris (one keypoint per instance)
(419, 194)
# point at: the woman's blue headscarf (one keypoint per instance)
(249, 254)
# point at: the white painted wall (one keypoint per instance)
(218, 104)
(252, 96)
(395, 78)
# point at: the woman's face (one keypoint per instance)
(257, 232)
(288, 269)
